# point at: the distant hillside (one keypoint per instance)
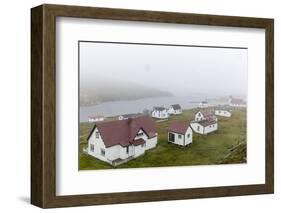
(96, 91)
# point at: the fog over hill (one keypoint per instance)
(98, 90)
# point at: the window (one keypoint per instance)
(127, 149)
(97, 135)
(140, 134)
(102, 152)
(188, 135)
(92, 147)
(171, 137)
(198, 128)
(179, 136)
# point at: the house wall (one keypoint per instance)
(160, 114)
(195, 127)
(188, 140)
(211, 128)
(139, 150)
(179, 138)
(111, 153)
(223, 113)
(175, 112)
(151, 143)
(199, 116)
(182, 139)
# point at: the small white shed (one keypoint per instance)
(180, 133)
(204, 127)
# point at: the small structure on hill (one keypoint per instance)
(180, 133)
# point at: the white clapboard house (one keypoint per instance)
(204, 127)
(203, 104)
(160, 112)
(204, 114)
(180, 133)
(237, 102)
(223, 112)
(175, 109)
(92, 119)
(119, 141)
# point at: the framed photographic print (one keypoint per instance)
(136, 106)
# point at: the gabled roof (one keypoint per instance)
(176, 106)
(207, 122)
(206, 113)
(179, 127)
(123, 132)
(159, 108)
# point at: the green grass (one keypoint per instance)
(225, 146)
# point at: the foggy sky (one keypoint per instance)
(179, 70)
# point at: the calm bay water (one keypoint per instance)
(114, 108)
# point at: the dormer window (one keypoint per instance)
(140, 134)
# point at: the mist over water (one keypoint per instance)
(128, 78)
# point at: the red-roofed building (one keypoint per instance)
(119, 141)
(180, 133)
(204, 127)
(205, 114)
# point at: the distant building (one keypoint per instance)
(160, 112)
(237, 102)
(175, 109)
(119, 141)
(223, 111)
(126, 116)
(204, 127)
(92, 119)
(203, 104)
(180, 133)
(205, 114)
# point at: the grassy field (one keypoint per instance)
(225, 146)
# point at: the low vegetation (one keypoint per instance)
(225, 146)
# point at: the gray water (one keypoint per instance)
(115, 108)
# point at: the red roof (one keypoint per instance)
(123, 132)
(206, 113)
(179, 127)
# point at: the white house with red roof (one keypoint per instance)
(204, 127)
(119, 141)
(160, 113)
(204, 114)
(180, 133)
